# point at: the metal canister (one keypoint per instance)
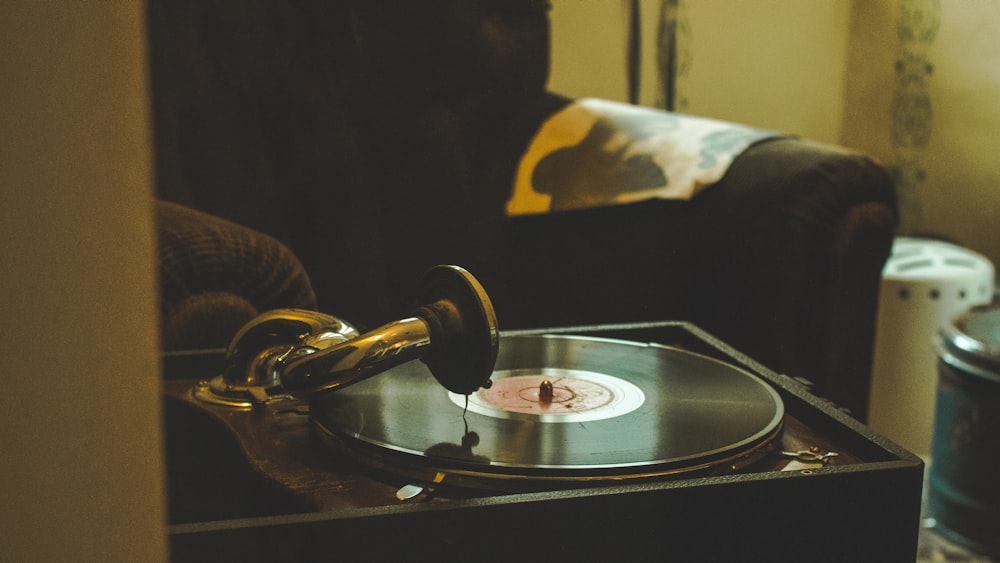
(964, 482)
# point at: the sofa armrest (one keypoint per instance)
(812, 226)
(216, 275)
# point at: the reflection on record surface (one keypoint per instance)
(564, 404)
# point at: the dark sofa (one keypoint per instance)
(376, 138)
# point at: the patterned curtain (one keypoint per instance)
(917, 23)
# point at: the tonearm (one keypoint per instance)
(299, 353)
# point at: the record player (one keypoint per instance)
(440, 436)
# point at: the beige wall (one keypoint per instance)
(588, 48)
(81, 474)
(961, 194)
(825, 70)
(777, 64)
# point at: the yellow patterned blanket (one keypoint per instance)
(597, 153)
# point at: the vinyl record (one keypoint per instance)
(560, 408)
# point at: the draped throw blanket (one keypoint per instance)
(596, 153)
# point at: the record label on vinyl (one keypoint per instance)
(553, 395)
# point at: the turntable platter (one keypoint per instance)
(560, 408)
